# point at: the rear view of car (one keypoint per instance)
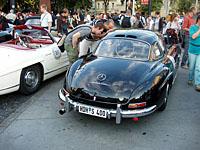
(126, 77)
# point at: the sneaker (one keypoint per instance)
(190, 82)
(197, 88)
(185, 67)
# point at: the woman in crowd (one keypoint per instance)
(194, 54)
(173, 23)
(20, 19)
(62, 23)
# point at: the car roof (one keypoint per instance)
(143, 35)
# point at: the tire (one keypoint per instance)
(165, 98)
(30, 79)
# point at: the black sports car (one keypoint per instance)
(129, 75)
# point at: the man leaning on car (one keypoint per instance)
(46, 18)
(73, 38)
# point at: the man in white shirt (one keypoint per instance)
(11, 16)
(46, 18)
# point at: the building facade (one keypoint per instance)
(114, 6)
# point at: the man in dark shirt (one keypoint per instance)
(3, 22)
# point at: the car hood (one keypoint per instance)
(109, 77)
(14, 57)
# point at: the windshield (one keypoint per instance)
(33, 21)
(37, 34)
(123, 48)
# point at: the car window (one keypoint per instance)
(35, 21)
(156, 52)
(123, 48)
(161, 45)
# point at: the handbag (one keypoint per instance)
(172, 35)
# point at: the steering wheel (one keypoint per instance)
(21, 42)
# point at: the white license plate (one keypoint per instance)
(98, 112)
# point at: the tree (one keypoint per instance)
(27, 5)
(84, 4)
(184, 5)
(156, 6)
(106, 3)
(2, 3)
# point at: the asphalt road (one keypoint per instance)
(36, 124)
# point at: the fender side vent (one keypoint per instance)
(131, 36)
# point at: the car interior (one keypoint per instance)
(31, 39)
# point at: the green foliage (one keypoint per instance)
(57, 5)
(27, 4)
(84, 4)
(184, 5)
(156, 6)
(2, 3)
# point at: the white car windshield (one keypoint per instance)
(38, 34)
(123, 48)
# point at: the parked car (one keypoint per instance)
(31, 57)
(35, 21)
(129, 75)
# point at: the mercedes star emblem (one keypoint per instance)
(101, 77)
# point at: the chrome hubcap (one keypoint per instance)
(167, 93)
(31, 79)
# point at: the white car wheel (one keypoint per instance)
(30, 79)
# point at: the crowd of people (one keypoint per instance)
(76, 26)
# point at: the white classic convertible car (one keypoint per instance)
(31, 57)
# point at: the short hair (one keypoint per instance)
(142, 13)
(65, 10)
(193, 8)
(108, 22)
(99, 25)
(43, 6)
(190, 10)
(157, 13)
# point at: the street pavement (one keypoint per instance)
(36, 125)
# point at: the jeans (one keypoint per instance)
(185, 53)
(194, 68)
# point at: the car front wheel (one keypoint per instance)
(30, 80)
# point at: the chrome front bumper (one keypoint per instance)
(118, 113)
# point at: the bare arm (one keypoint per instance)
(49, 26)
(195, 35)
(75, 39)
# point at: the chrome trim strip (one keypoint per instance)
(56, 70)
(10, 87)
(112, 112)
